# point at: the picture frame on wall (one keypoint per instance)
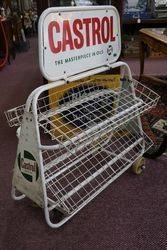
(136, 9)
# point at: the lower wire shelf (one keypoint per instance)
(74, 181)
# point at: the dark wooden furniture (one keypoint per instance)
(155, 38)
(131, 27)
(7, 24)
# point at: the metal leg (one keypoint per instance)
(16, 197)
(56, 225)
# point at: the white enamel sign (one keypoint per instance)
(76, 39)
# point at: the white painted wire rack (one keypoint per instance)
(90, 133)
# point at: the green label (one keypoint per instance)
(28, 166)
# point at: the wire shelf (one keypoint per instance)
(14, 116)
(95, 103)
(77, 115)
(73, 179)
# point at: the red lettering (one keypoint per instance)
(67, 37)
(78, 42)
(87, 32)
(112, 38)
(28, 166)
(87, 22)
(54, 25)
(105, 27)
(96, 31)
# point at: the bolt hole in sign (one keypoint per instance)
(73, 40)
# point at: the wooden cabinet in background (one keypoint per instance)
(8, 27)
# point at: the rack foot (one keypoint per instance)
(55, 218)
(15, 196)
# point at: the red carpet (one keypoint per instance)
(130, 214)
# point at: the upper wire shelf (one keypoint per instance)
(76, 114)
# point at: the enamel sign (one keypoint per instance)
(76, 39)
